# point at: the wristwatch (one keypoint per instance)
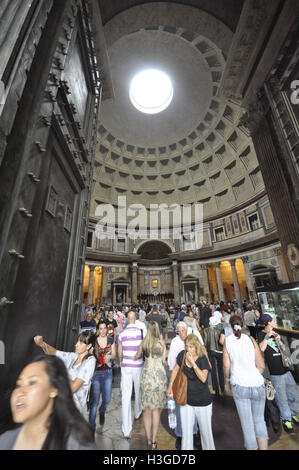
(195, 366)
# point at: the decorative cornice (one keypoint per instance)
(252, 28)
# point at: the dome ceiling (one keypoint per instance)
(194, 151)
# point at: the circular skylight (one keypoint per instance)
(151, 91)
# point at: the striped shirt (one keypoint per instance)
(129, 340)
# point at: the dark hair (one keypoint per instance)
(65, 419)
(87, 337)
(236, 320)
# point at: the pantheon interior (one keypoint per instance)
(74, 139)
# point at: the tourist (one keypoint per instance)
(140, 324)
(42, 403)
(218, 315)
(128, 344)
(121, 323)
(287, 393)
(142, 314)
(105, 352)
(111, 324)
(191, 321)
(205, 314)
(214, 339)
(155, 315)
(199, 400)
(243, 366)
(89, 323)
(153, 382)
(98, 317)
(80, 366)
(176, 346)
(250, 320)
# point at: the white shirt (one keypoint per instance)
(243, 370)
(176, 346)
(142, 315)
(84, 370)
(194, 331)
(142, 327)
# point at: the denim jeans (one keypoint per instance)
(101, 383)
(250, 403)
(287, 395)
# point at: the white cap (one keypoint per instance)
(214, 321)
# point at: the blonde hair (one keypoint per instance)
(151, 339)
(193, 341)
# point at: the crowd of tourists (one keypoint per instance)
(59, 395)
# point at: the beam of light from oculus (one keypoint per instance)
(151, 91)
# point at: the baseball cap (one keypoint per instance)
(266, 318)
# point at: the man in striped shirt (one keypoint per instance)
(128, 344)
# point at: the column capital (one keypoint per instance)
(203, 266)
(245, 259)
(254, 114)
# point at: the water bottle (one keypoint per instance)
(171, 414)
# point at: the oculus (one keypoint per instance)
(151, 91)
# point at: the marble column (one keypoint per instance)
(249, 280)
(114, 294)
(219, 283)
(205, 281)
(176, 289)
(105, 285)
(236, 283)
(90, 286)
(271, 156)
(134, 282)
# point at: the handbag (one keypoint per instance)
(270, 390)
(179, 386)
(286, 360)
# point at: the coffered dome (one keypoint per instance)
(193, 151)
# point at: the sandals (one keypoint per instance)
(151, 445)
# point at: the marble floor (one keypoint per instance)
(110, 437)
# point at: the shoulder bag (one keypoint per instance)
(179, 386)
(269, 389)
(286, 360)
